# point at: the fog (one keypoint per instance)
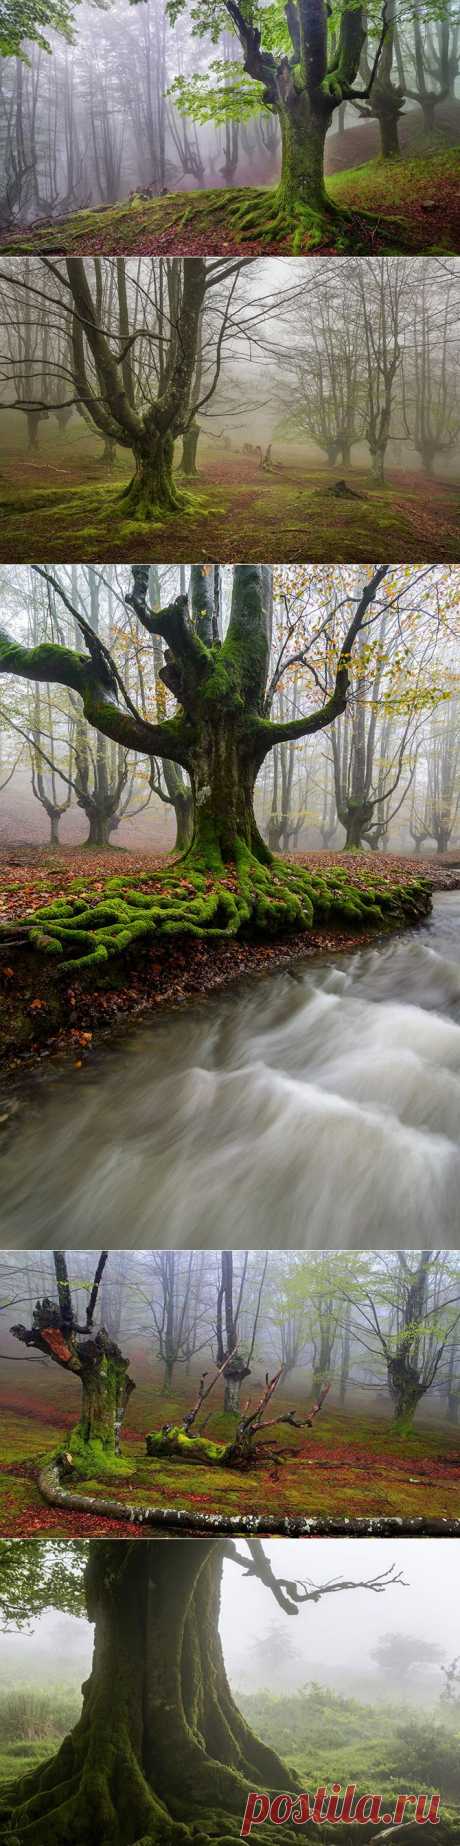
(104, 115)
(307, 795)
(331, 1641)
(321, 1319)
(295, 368)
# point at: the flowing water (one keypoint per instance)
(317, 1106)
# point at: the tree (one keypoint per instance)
(304, 68)
(414, 1321)
(161, 1749)
(93, 1358)
(229, 1307)
(220, 735)
(396, 1655)
(30, 19)
(141, 404)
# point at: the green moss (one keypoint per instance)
(202, 897)
(92, 1460)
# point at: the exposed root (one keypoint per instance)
(191, 899)
(268, 216)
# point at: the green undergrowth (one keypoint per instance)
(190, 898)
(407, 191)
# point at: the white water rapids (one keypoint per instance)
(318, 1106)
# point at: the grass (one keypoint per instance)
(422, 190)
(236, 513)
(324, 1737)
(350, 1466)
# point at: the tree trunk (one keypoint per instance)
(427, 456)
(223, 780)
(33, 420)
(406, 1392)
(388, 119)
(378, 466)
(152, 488)
(100, 828)
(106, 1389)
(303, 137)
(160, 1745)
(354, 823)
(54, 820)
(190, 442)
(183, 808)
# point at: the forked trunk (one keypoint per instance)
(160, 1745)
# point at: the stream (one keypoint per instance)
(315, 1106)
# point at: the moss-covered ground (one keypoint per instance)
(351, 1465)
(419, 195)
(235, 510)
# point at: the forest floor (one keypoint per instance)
(234, 510)
(350, 1467)
(415, 202)
(367, 1733)
(45, 1021)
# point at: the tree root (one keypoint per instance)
(191, 898)
(269, 216)
(183, 1519)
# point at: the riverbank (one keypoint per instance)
(43, 1019)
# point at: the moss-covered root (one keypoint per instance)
(92, 1793)
(203, 897)
(271, 217)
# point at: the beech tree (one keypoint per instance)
(422, 1302)
(161, 1752)
(305, 66)
(220, 735)
(141, 404)
(230, 1297)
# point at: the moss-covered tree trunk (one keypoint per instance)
(105, 1392)
(303, 139)
(223, 780)
(160, 1748)
(405, 1391)
(152, 488)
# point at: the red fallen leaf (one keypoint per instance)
(9, 973)
(36, 1005)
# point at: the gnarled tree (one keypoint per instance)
(221, 735)
(306, 69)
(161, 1752)
(94, 1358)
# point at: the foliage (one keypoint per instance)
(36, 1577)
